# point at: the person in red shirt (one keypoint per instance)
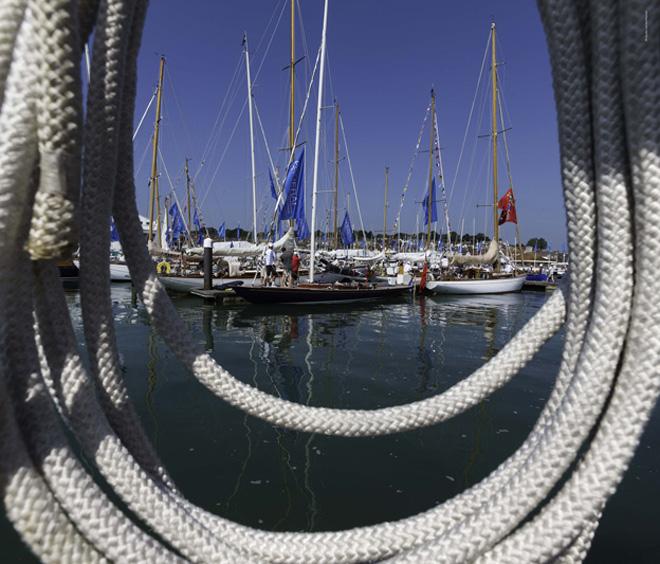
(295, 265)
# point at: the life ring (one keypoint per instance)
(163, 267)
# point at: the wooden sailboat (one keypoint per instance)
(495, 282)
(314, 293)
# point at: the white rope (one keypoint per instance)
(607, 87)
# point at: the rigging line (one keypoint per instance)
(300, 122)
(467, 127)
(270, 42)
(170, 82)
(273, 171)
(144, 115)
(173, 192)
(270, 21)
(144, 154)
(397, 221)
(239, 65)
(224, 152)
(217, 134)
(470, 170)
(350, 169)
(216, 139)
(303, 35)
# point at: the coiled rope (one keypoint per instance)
(606, 74)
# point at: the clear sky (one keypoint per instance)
(383, 58)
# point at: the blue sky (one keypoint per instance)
(383, 58)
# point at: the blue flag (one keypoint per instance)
(114, 235)
(222, 232)
(434, 207)
(198, 227)
(238, 232)
(346, 231)
(273, 192)
(176, 224)
(294, 190)
(303, 229)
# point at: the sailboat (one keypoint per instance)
(484, 282)
(311, 292)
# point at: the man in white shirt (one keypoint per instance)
(270, 258)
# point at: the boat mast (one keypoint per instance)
(154, 198)
(254, 173)
(292, 73)
(336, 233)
(493, 72)
(387, 174)
(319, 107)
(429, 204)
(188, 195)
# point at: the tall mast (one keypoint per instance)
(254, 174)
(493, 72)
(336, 233)
(429, 205)
(387, 174)
(188, 195)
(319, 107)
(154, 198)
(292, 72)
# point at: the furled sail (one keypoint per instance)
(488, 257)
(245, 250)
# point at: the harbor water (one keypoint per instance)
(351, 356)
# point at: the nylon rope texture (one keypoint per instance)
(606, 78)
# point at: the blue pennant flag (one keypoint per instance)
(294, 190)
(198, 227)
(346, 231)
(114, 235)
(238, 232)
(176, 224)
(273, 192)
(303, 229)
(222, 231)
(434, 207)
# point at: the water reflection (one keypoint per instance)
(348, 356)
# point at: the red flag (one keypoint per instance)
(508, 206)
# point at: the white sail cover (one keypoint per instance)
(244, 250)
(488, 257)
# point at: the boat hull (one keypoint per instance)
(186, 284)
(321, 295)
(487, 286)
(119, 272)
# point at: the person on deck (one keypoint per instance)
(286, 257)
(295, 266)
(269, 260)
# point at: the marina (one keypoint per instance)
(303, 282)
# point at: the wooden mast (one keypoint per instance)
(387, 174)
(336, 233)
(188, 196)
(429, 203)
(154, 198)
(493, 72)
